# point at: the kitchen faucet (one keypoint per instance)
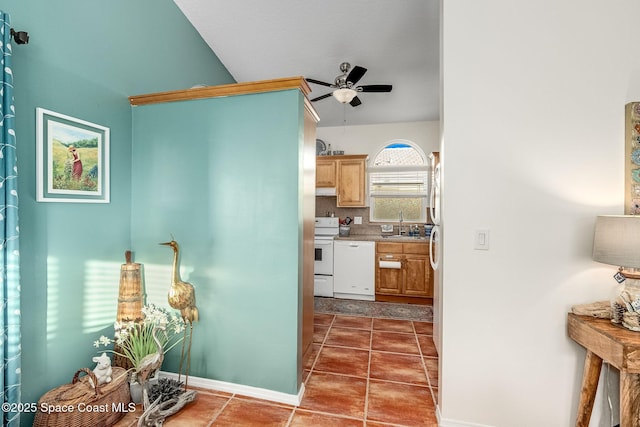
(401, 220)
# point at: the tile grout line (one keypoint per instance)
(213, 420)
(424, 364)
(290, 420)
(329, 414)
(366, 392)
(326, 335)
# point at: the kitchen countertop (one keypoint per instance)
(379, 238)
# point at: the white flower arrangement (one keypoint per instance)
(135, 340)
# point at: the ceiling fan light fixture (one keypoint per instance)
(344, 95)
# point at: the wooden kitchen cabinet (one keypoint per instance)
(409, 277)
(347, 174)
(325, 172)
(418, 276)
(351, 188)
(389, 280)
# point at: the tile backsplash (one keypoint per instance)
(325, 205)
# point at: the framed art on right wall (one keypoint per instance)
(632, 159)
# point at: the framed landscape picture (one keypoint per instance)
(72, 159)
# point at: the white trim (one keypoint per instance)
(417, 147)
(443, 422)
(245, 390)
(454, 423)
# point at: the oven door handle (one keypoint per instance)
(323, 242)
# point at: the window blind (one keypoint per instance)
(398, 183)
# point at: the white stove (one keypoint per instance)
(326, 229)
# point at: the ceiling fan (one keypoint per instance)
(345, 89)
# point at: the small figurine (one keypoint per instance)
(103, 369)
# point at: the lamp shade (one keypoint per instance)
(617, 240)
(344, 95)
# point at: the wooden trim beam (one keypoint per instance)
(273, 85)
(311, 110)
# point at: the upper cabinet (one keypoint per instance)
(350, 190)
(325, 173)
(347, 174)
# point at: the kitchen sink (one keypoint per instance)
(396, 237)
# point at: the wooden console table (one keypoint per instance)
(617, 346)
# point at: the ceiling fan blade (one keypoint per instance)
(355, 102)
(326, 95)
(318, 82)
(356, 74)
(374, 88)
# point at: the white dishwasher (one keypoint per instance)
(354, 269)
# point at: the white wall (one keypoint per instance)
(533, 121)
(369, 139)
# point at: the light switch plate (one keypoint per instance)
(357, 220)
(481, 239)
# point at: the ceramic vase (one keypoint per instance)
(136, 388)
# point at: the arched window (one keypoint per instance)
(398, 183)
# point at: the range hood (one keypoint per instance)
(325, 191)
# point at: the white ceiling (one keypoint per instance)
(396, 40)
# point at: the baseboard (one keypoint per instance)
(443, 422)
(453, 423)
(245, 390)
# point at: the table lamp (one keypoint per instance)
(617, 242)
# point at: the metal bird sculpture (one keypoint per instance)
(182, 297)
(150, 364)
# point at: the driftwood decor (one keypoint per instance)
(600, 309)
(157, 412)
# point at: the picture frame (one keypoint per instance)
(632, 159)
(72, 159)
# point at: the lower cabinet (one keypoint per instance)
(403, 270)
(389, 271)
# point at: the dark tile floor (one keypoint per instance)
(363, 371)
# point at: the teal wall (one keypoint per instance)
(84, 58)
(222, 176)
